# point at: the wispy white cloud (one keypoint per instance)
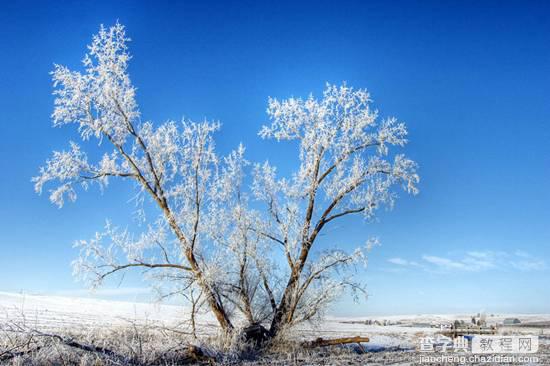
(476, 261)
(402, 262)
(526, 262)
(484, 254)
(530, 265)
(472, 261)
(398, 261)
(443, 263)
(479, 261)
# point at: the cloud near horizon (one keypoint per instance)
(402, 262)
(475, 261)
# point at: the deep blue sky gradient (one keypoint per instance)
(470, 79)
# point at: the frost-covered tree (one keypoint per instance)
(173, 165)
(345, 169)
(209, 240)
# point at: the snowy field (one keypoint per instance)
(54, 312)
(393, 339)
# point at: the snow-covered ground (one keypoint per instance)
(58, 312)
(395, 343)
(55, 312)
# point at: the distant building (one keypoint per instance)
(511, 321)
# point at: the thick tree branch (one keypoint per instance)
(269, 236)
(346, 212)
(344, 157)
(158, 186)
(318, 273)
(108, 174)
(117, 268)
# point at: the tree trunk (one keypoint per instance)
(216, 307)
(213, 303)
(285, 311)
(282, 315)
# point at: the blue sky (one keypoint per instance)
(470, 80)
